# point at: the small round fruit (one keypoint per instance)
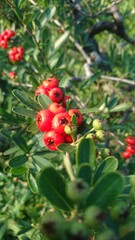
(79, 116)
(59, 122)
(44, 120)
(52, 139)
(56, 94)
(51, 83)
(70, 129)
(105, 153)
(64, 100)
(100, 135)
(130, 148)
(41, 90)
(77, 190)
(93, 215)
(97, 124)
(56, 108)
(126, 154)
(130, 140)
(68, 138)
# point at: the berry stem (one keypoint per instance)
(68, 166)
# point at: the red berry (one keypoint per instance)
(44, 120)
(68, 138)
(130, 148)
(8, 34)
(3, 44)
(16, 54)
(126, 154)
(12, 75)
(56, 94)
(52, 139)
(56, 108)
(51, 83)
(41, 90)
(79, 116)
(59, 122)
(65, 100)
(130, 140)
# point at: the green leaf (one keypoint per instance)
(44, 101)
(20, 142)
(121, 107)
(66, 147)
(24, 112)
(89, 110)
(41, 161)
(19, 170)
(85, 173)
(18, 161)
(32, 128)
(106, 190)
(52, 186)
(110, 164)
(11, 150)
(60, 42)
(27, 101)
(32, 183)
(45, 17)
(86, 152)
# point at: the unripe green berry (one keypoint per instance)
(70, 129)
(119, 211)
(93, 215)
(97, 124)
(100, 135)
(77, 230)
(77, 190)
(107, 235)
(105, 153)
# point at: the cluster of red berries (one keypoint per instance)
(5, 36)
(56, 121)
(130, 148)
(16, 54)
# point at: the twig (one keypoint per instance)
(116, 79)
(68, 166)
(86, 14)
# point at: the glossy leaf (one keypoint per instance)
(21, 143)
(121, 107)
(41, 161)
(32, 183)
(47, 15)
(89, 110)
(86, 152)
(85, 173)
(66, 147)
(53, 187)
(11, 150)
(44, 101)
(27, 101)
(60, 42)
(110, 164)
(24, 112)
(106, 190)
(18, 161)
(18, 171)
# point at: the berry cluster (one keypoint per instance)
(56, 121)
(12, 74)
(16, 54)
(130, 148)
(5, 36)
